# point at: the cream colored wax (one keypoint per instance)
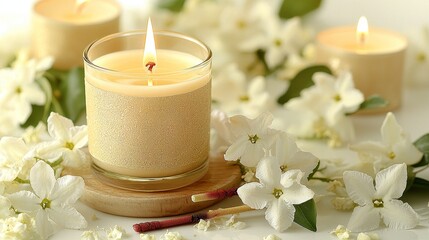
(377, 64)
(148, 131)
(60, 30)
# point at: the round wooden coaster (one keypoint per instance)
(108, 199)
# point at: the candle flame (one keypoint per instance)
(79, 5)
(149, 55)
(362, 30)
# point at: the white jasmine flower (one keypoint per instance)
(341, 232)
(282, 38)
(418, 59)
(5, 207)
(202, 225)
(12, 163)
(147, 236)
(172, 236)
(296, 62)
(36, 134)
(20, 227)
(18, 91)
(68, 140)
(89, 235)
(234, 95)
(289, 156)
(116, 233)
(241, 21)
(323, 107)
(367, 236)
(277, 192)
(52, 200)
(395, 147)
(272, 237)
(252, 139)
(379, 202)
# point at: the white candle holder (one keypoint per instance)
(148, 138)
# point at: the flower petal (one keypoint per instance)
(79, 136)
(67, 216)
(252, 154)
(297, 194)
(406, 152)
(236, 150)
(399, 215)
(255, 195)
(25, 201)
(359, 187)
(268, 172)
(364, 218)
(42, 179)
(67, 189)
(391, 131)
(280, 215)
(44, 227)
(58, 126)
(391, 182)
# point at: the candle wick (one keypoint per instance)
(150, 66)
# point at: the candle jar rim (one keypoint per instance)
(204, 62)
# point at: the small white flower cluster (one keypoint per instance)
(19, 90)
(321, 110)
(167, 236)
(220, 223)
(29, 175)
(115, 233)
(343, 233)
(280, 165)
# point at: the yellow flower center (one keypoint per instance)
(421, 57)
(253, 138)
(337, 98)
(378, 203)
(391, 155)
(69, 145)
(277, 193)
(46, 203)
(283, 168)
(278, 42)
(244, 98)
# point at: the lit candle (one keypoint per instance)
(148, 110)
(374, 56)
(63, 28)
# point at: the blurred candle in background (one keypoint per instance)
(374, 56)
(64, 28)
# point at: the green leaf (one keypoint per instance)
(373, 102)
(423, 143)
(35, 117)
(306, 215)
(301, 81)
(294, 8)
(172, 5)
(420, 183)
(73, 94)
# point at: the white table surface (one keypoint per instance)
(413, 116)
(405, 16)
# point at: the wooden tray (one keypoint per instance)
(108, 199)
